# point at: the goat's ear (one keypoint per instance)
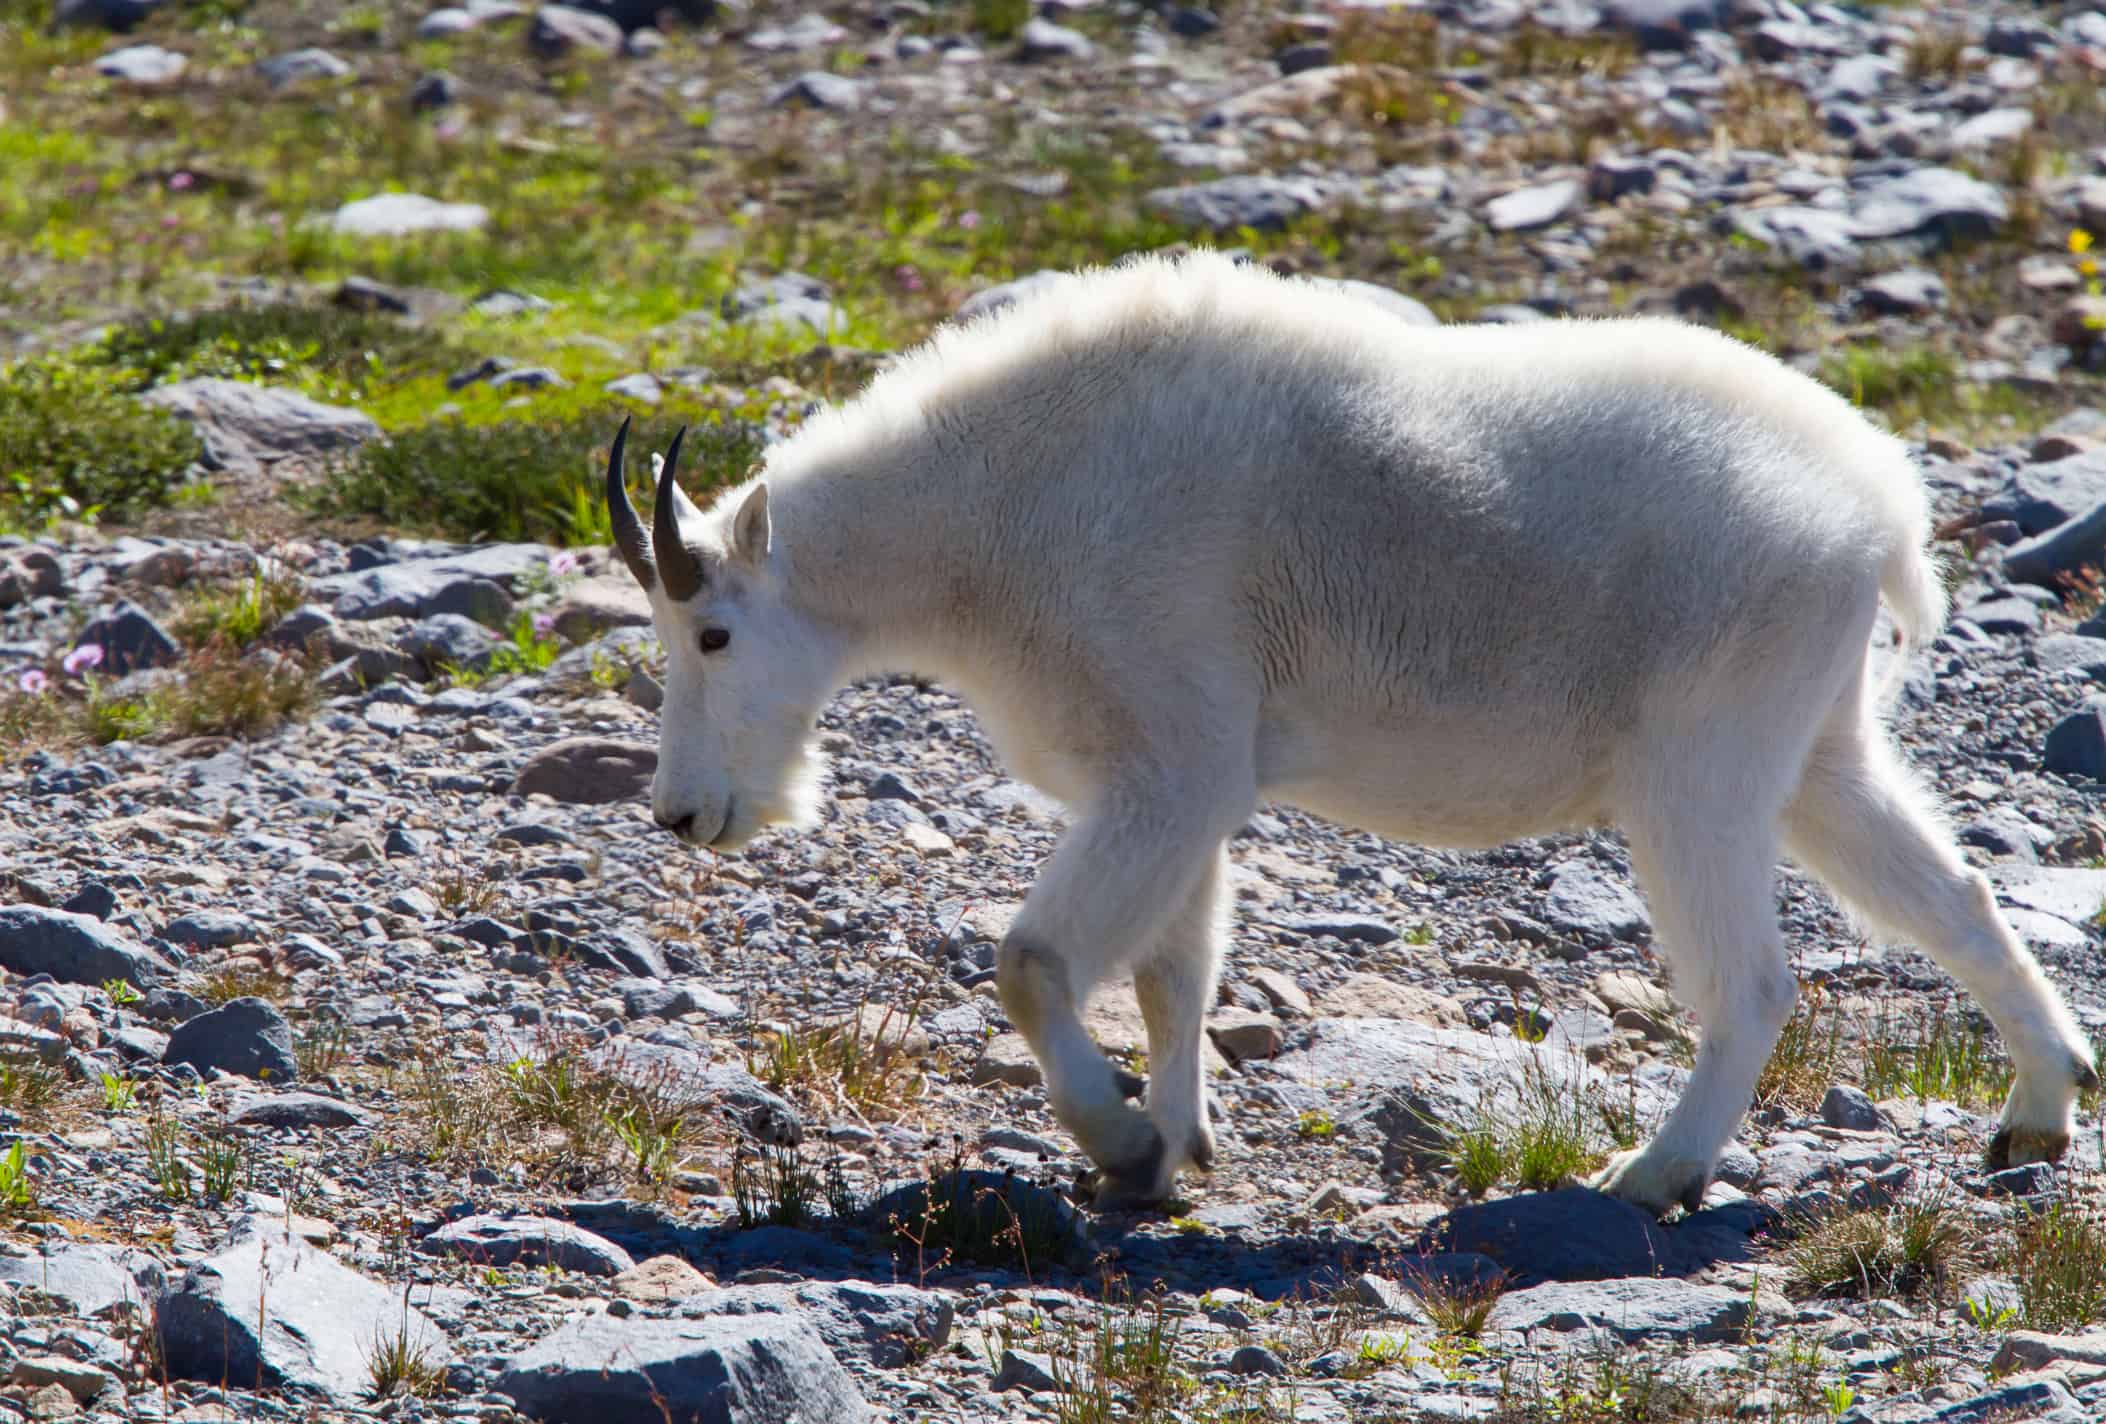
(751, 534)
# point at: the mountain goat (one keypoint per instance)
(1187, 535)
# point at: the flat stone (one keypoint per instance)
(130, 639)
(1362, 995)
(210, 929)
(758, 1369)
(558, 30)
(1586, 899)
(530, 1241)
(301, 66)
(266, 1308)
(74, 948)
(250, 429)
(89, 1277)
(1940, 202)
(1629, 1309)
(142, 64)
(402, 214)
(1248, 200)
(1908, 292)
(1578, 1234)
(291, 1110)
(588, 771)
(884, 1326)
(1538, 206)
(1007, 1058)
(659, 1279)
(820, 89)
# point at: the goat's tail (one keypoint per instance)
(1914, 589)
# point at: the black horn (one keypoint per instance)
(629, 535)
(677, 564)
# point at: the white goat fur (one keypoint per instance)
(1188, 535)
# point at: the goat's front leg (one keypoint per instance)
(1106, 897)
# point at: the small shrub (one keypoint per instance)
(1459, 1307)
(118, 1090)
(862, 1062)
(1904, 1249)
(319, 1050)
(527, 479)
(271, 341)
(1537, 1131)
(74, 442)
(28, 1085)
(242, 981)
(401, 1363)
(242, 614)
(2058, 1259)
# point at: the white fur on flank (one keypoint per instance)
(1188, 535)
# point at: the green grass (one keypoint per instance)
(533, 478)
(73, 443)
(1933, 1055)
(239, 614)
(2058, 1259)
(1909, 1249)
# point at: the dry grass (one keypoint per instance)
(862, 1061)
(1807, 1058)
(1910, 1249)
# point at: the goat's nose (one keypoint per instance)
(683, 827)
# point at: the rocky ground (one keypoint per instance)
(368, 1051)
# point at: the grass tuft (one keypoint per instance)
(1908, 1249)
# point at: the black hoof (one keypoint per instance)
(1132, 1185)
(1998, 1157)
(1132, 1086)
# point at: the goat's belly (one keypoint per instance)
(1432, 784)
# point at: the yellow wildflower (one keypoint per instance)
(2079, 241)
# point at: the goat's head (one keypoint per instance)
(745, 670)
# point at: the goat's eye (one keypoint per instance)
(714, 638)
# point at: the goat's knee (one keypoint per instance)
(1032, 983)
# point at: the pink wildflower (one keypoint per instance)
(969, 219)
(34, 682)
(544, 624)
(562, 562)
(82, 658)
(177, 182)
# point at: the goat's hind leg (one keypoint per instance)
(1861, 824)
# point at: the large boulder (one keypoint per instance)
(251, 429)
(713, 1369)
(78, 949)
(266, 1308)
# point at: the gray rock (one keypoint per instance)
(1256, 1360)
(1613, 175)
(2037, 1401)
(1004, 294)
(760, 1369)
(249, 429)
(130, 639)
(789, 299)
(1629, 1309)
(2004, 615)
(559, 30)
(416, 590)
(2042, 496)
(2076, 746)
(1405, 1080)
(1940, 203)
(1026, 1370)
(807, 31)
(1577, 1234)
(2071, 652)
(1042, 39)
(267, 1309)
(529, 1240)
(120, 16)
(1348, 927)
(245, 1036)
(2044, 558)
(1585, 899)
(444, 23)
(819, 89)
(1991, 129)
(2071, 893)
(639, 386)
(1908, 292)
(301, 65)
(1847, 1107)
(881, 1325)
(1815, 238)
(76, 949)
(142, 64)
(210, 929)
(89, 1277)
(1395, 303)
(402, 214)
(293, 1110)
(1225, 204)
(588, 771)
(448, 640)
(996, 1202)
(1538, 206)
